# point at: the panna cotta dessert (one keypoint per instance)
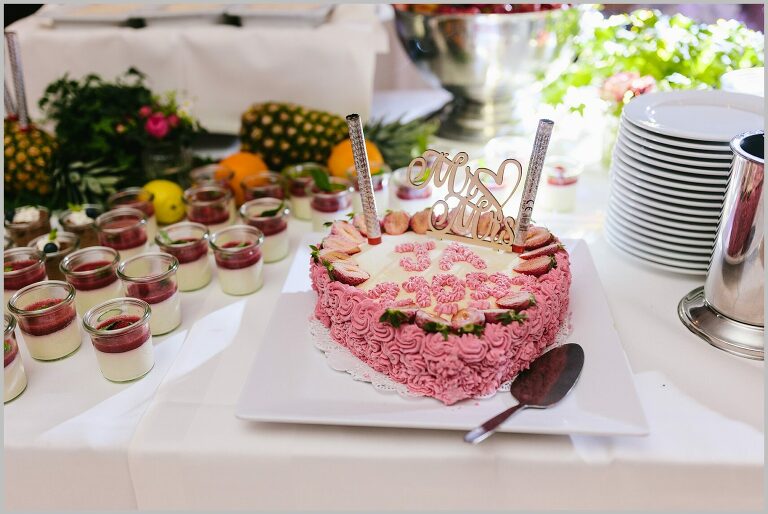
(152, 278)
(93, 273)
(210, 205)
(47, 319)
(21, 267)
(188, 242)
(331, 200)
(56, 245)
(408, 197)
(23, 224)
(121, 337)
(562, 181)
(140, 199)
(125, 230)
(212, 174)
(14, 377)
(237, 251)
(266, 184)
(81, 221)
(269, 215)
(299, 177)
(380, 174)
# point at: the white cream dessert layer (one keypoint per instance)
(194, 275)
(301, 207)
(55, 345)
(132, 252)
(275, 246)
(242, 281)
(85, 300)
(26, 215)
(166, 315)
(151, 228)
(130, 365)
(319, 219)
(14, 379)
(382, 262)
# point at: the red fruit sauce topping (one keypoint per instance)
(144, 206)
(187, 249)
(50, 322)
(34, 271)
(409, 193)
(127, 341)
(153, 292)
(269, 225)
(331, 202)
(247, 255)
(208, 214)
(126, 239)
(10, 349)
(299, 186)
(104, 274)
(263, 191)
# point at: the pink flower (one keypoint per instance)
(145, 111)
(173, 120)
(626, 83)
(157, 126)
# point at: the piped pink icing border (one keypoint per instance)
(450, 370)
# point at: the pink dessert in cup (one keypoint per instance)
(188, 242)
(125, 230)
(21, 267)
(238, 255)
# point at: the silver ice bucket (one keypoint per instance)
(729, 311)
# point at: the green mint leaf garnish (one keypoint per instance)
(74, 207)
(52, 234)
(165, 238)
(7, 268)
(275, 211)
(350, 215)
(6, 347)
(315, 253)
(322, 180)
(327, 224)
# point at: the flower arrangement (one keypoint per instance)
(165, 120)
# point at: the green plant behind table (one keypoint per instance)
(676, 51)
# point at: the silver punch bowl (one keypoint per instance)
(487, 61)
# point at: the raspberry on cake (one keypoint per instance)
(435, 322)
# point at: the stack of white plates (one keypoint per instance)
(670, 169)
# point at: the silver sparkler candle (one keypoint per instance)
(367, 198)
(14, 52)
(10, 109)
(543, 133)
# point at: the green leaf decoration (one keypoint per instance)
(52, 234)
(434, 327)
(274, 212)
(472, 329)
(394, 317)
(510, 316)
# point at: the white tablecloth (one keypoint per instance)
(222, 69)
(179, 445)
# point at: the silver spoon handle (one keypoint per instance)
(485, 430)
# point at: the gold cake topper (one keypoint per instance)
(466, 221)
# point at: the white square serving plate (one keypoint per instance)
(291, 382)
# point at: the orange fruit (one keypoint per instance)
(342, 158)
(242, 164)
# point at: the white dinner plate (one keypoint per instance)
(659, 158)
(669, 146)
(636, 210)
(721, 173)
(666, 197)
(711, 115)
(655, 262)
(667, 209)
(645, 247)
(679, 236)
(676, 142)
(291, 381)
(653, 239)
(745, 80)
(668, 187)
(672, 175)
(690, 188)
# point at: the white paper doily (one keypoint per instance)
(341, 359)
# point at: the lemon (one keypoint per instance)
(169, 206)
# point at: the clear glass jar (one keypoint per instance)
(212, 174)
(211, 205)
(121, 337)
(407, 197)
(166, 160)
(380, 187)
(330, 206)
(22, 232)
(21, 267)
(266, 184)
(274, 226)
(47, 318)
(188, 242)
(125, 230)
(82, 222)
(14, 376)
(560, 183)
(92, 272)
(67, 243)
(140, 199)
(238, 255)
(151, 277)
(299, 177)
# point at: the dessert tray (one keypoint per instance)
(291, 380)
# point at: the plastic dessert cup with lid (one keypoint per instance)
(380, 187)
(138, 199)
(211, 205)
(82, 223)
(14, 377)
(93, 273)
(237, 251)
(26, 223)
(47, 319)
(299, 177)
(266, 184)
(330, 206)
(65, 243)
(269, 215)
(188, 242)
(125, 230)
(21, 267)
(152, 278)
(121, 337)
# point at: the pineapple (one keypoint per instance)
(29, 158)
(286, 134)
